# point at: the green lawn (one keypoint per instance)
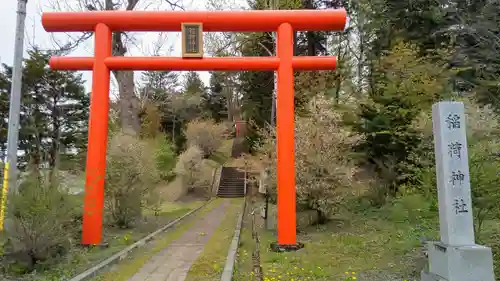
(364, 246)
(370, 245)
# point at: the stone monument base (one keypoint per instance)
(459, 263)
(426, 276)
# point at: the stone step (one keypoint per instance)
(232, 182)
(230, 189)
(233, 175)
(235, 182)
(232, 192)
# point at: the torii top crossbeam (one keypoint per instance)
(213, 21)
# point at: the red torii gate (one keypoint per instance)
(103, 23)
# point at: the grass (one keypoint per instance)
(360, 246)
(80, 259)
(367, 244)
(210, 264)
(222, 155)
(243, 266)
(129, 266)
(331, 250)
(137, 260)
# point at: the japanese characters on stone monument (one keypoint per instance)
(452, 174)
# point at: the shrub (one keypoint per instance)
(150, 120)
(407, 84)
(324, 172)
(42, 222)
(191, 168)
(131, 174)
(165, 157)
(206, 134)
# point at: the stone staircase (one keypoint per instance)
(232, 183)
(232, 180)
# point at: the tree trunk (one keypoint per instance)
(173, 130)
(229, 99)
(129, 103)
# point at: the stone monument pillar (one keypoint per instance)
(456, 257)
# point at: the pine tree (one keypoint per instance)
(54, 112)
(4, 110)
(157, 85)
(193, 84)
(215, 100)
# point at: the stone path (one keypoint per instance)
(174, 262)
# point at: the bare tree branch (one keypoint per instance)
(175, 4)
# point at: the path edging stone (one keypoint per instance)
(227, 274)
(121, 255)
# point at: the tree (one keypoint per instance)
(128, 102)
(408, 84)
(323, 159)
(206, 135)
(156, 94)
(257, 87)
(158, 85)
(216, 99)
(4, 109)
(193, 84)
(478, 44)
(54, 111)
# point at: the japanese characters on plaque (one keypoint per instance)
(192, 40)
(452, 173)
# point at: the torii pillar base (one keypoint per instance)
(275, 247)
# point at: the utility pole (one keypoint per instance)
(274, 6)
(14, 108)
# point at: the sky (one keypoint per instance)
(142, 44)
